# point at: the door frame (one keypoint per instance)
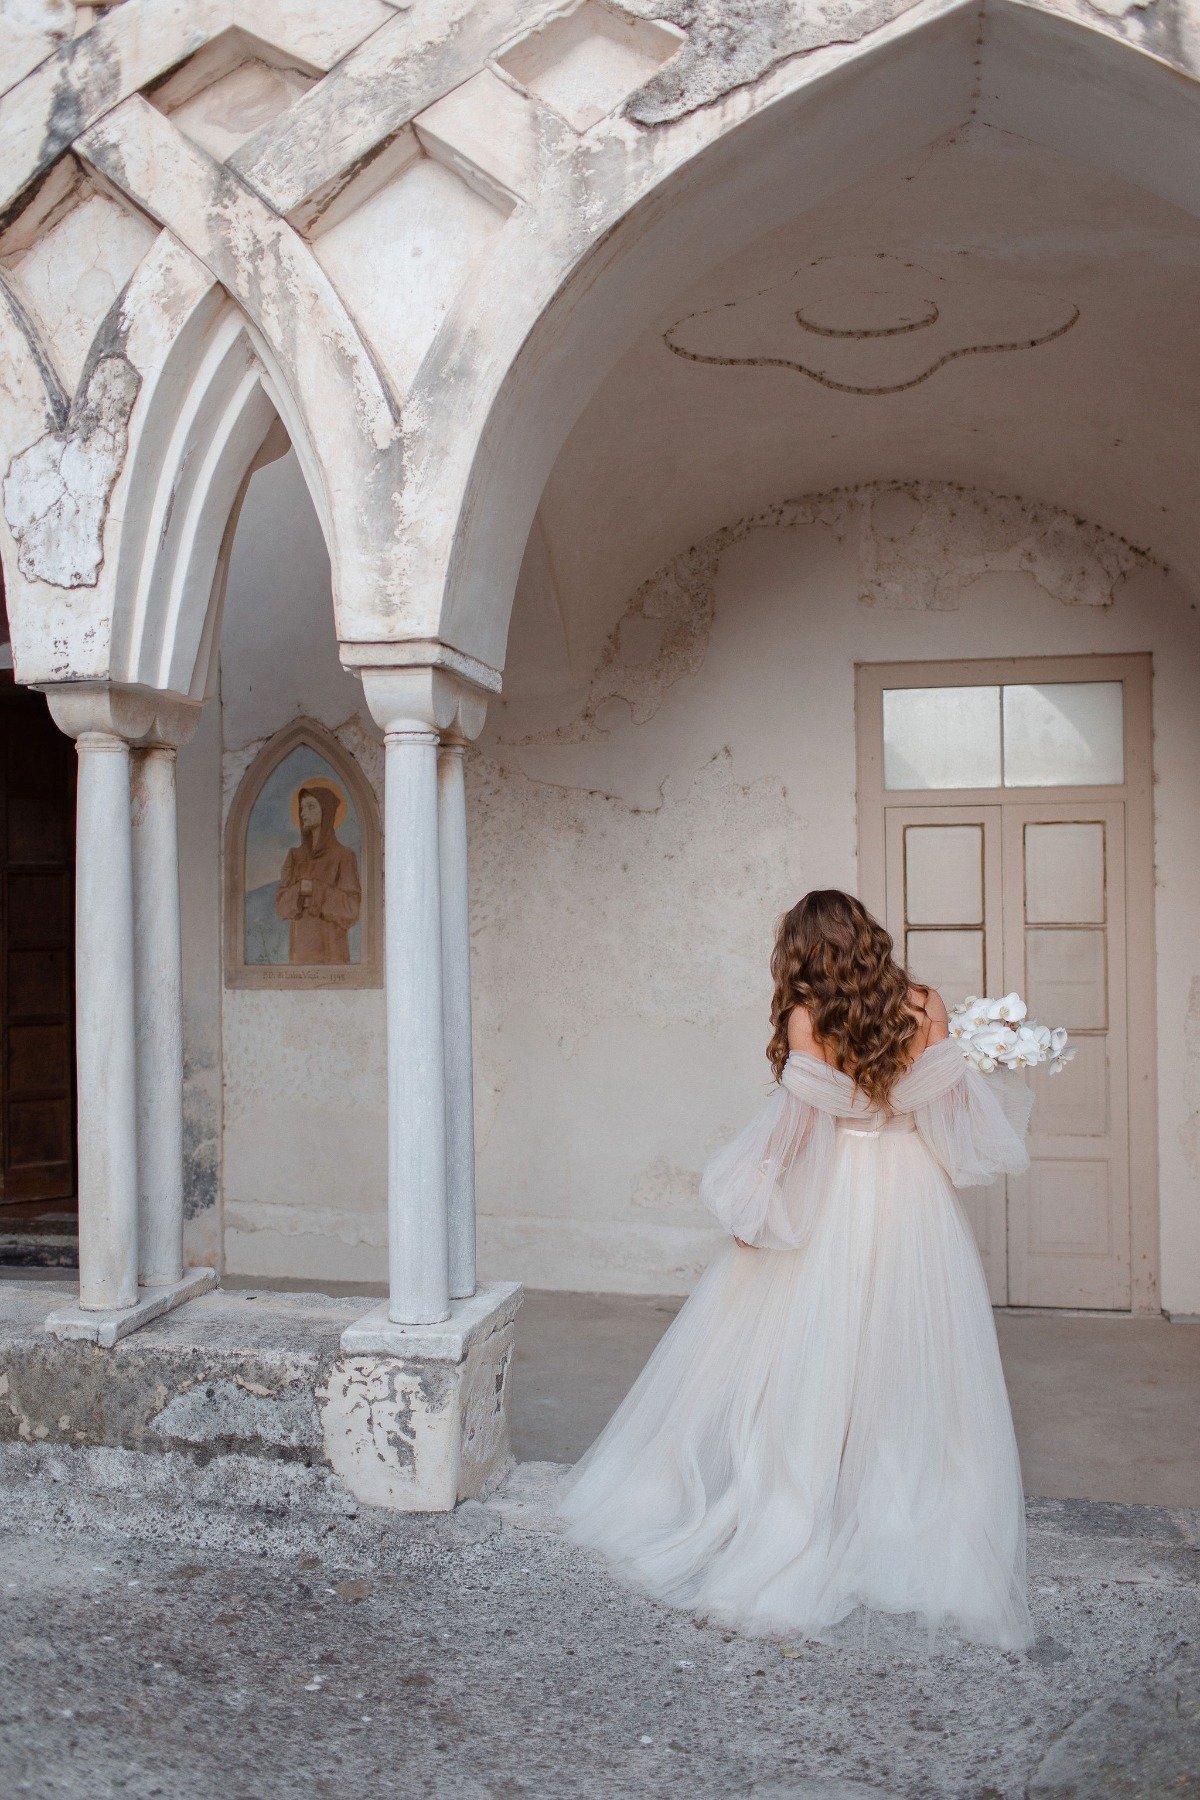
(1135, 672)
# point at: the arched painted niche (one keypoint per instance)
(302, 868)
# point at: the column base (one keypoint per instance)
(106, 1327)
(417, 1417)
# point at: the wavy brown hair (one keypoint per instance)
(834, 959)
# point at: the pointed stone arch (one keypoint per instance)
(564, 296)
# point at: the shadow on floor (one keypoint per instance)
(1106, 1408)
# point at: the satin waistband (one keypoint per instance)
(875, 1124)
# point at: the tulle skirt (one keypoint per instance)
(825, 1429)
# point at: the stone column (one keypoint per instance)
(418, 1265)
(104, 1026)
(127, 1009)
(456, 1014)
(415, 706)
(418, 1411)
(158, 989)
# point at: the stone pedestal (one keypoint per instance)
(105, 1326)
(417, 1417)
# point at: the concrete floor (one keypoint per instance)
(1105, 1408)
(161, 1641)
(197, 1620)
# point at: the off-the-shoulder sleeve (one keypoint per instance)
(974, 1124)
(764, 1184)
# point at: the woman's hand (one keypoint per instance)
(745, 1246)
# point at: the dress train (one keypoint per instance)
(825, 1426)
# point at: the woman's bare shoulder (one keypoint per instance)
(930, 1008)
(930, 1002)
(800, 1032)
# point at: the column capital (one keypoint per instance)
(93, 710)
(422, 700)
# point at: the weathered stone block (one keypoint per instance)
(413, 1418)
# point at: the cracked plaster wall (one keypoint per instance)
(635, 830)
(635, 834)
(733, 43)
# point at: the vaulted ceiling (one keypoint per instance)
(988, 313)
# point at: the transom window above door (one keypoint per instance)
(1020, 734)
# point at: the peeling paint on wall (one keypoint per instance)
(629, 857)
(666, 1186)
(732, 43)
(56, 492)
(920, 545)
(201, 1116)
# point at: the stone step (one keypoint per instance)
(264, 1378)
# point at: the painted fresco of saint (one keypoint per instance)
(319, 891)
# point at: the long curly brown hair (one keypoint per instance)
(834, 959)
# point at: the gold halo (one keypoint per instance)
(319, 781)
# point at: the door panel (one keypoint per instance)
(943, 874)
(1068, 1218)
(1051, 758)
(1033, 899)
(949, 933)
(1066, 976)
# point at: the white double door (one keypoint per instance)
(982, 899)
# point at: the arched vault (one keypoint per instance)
(421, 237)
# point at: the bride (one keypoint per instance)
(825, 1424)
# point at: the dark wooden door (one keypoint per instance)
(37, 964)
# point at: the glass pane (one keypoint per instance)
(941, 737)
(1064, 734)
(1065, 971)
(950, 961)
(1064, 874)
(943, 874)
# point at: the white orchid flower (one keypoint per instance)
(968, 1017)
(993, 1043)
(999, 1034)
(1027, 1046)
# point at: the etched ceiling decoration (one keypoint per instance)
(873, 324)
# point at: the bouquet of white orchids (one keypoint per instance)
(999, 1034)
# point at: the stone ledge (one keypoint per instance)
(261, 1380)
(488, 1310)
(106, 1327)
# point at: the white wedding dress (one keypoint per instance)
(825, 1425)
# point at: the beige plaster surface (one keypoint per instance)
(639, 814)
(636, 831)
(1105, 1408)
